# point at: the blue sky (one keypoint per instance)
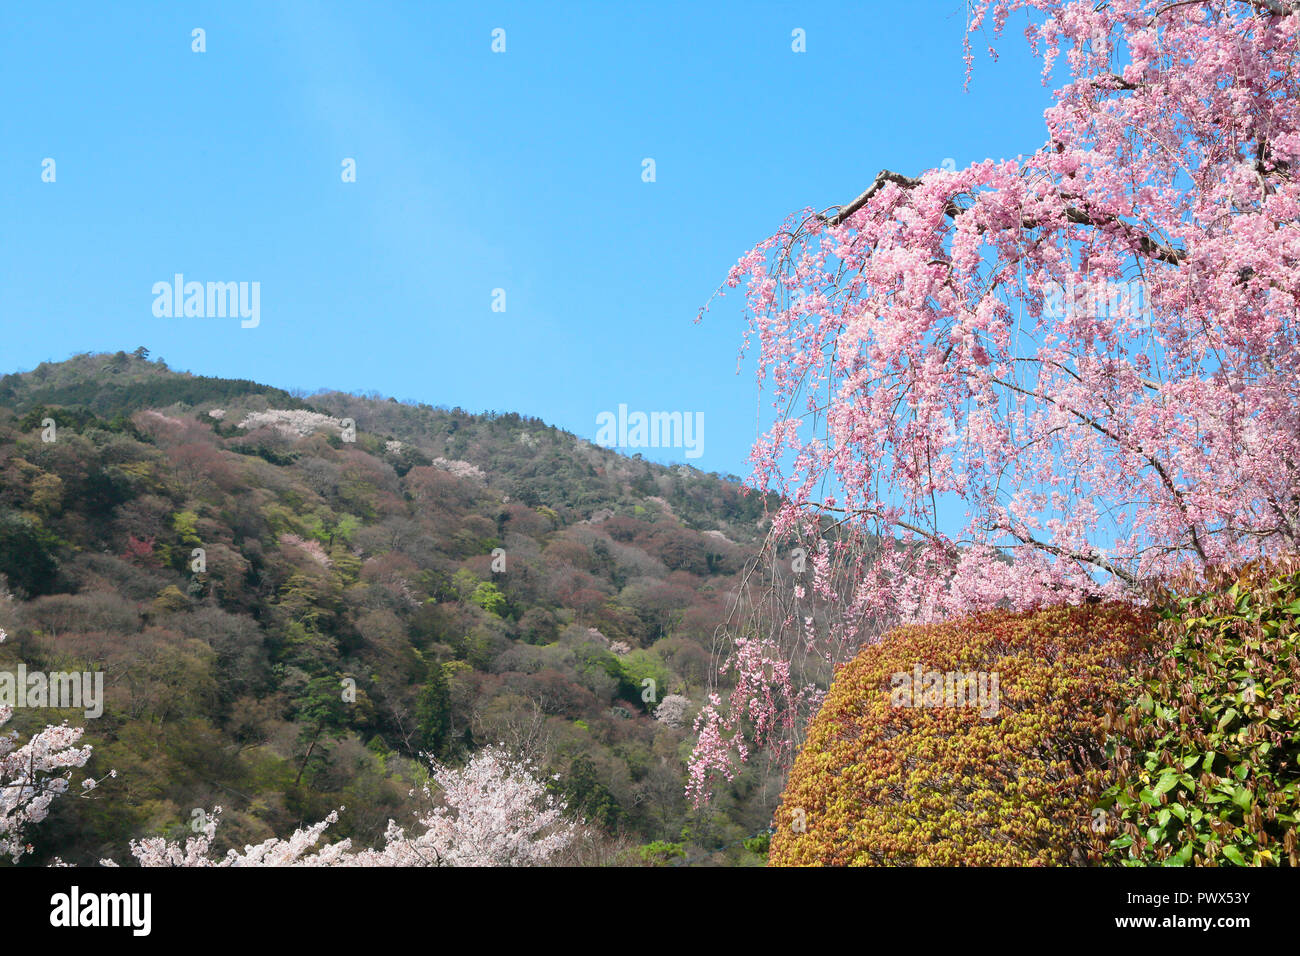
(476, 171)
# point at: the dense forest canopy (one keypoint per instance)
(289, 620)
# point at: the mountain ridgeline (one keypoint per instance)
(294, 599)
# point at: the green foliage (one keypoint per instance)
(82, 381)
(185, 524)
(760, 844)
(1208, 755)
(322, 705)
(587, 795)
(27, 554)
(637, 667)
(487, 596)
(72, 419)
(346, 527)
(433, 714)
(660, 852)
(463, 583)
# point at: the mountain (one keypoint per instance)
(293, 598)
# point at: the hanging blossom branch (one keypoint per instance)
(1062, 376)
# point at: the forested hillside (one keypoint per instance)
(293, 598)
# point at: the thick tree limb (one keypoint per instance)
(883, 177)
(1093, 558)
(1276, 8)
(1143, 244)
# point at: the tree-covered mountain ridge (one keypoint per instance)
(294, 598)
(112, 385)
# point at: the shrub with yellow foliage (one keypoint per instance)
(976, 741)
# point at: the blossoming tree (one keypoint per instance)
(32, 775)
(495, 812)
(1044, 378)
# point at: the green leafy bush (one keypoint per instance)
(1206, 758)
(660, 852)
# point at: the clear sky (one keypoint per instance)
(475, 171)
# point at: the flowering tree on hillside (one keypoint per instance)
(495, 812)
(32, 775)
(1087, 354)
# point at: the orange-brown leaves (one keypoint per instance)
(997, 775)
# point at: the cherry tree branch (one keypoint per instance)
(1276, 8)
(1095, 559)
(1143, 244)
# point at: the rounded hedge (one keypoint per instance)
(892, 777)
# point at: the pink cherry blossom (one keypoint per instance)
(1039, 379)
